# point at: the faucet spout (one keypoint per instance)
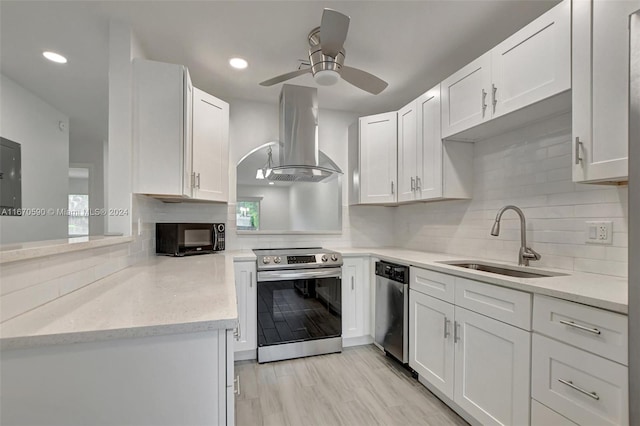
(526, 253)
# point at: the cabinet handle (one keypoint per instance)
(198, 180)
(418, 184)
(578, 157)
(456, 331)
(494, 99)
(484, 102)
(236, 383)
(251, 279)
(237, 333)
(392, 190)
(352, 285)
(581, 327)
(446, 328)
(579, 389)
(413, 186)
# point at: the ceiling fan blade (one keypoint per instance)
(285, 77)
(333, 31)
(362, 79)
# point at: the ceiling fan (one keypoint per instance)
(326, 57)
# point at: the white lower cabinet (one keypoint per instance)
(492, 362)
(355, 300)
(480, 363)
(431, 347)
(585, 388)
(247, 299)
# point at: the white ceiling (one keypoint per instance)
(411, 44)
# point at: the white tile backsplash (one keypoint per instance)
(531, 168)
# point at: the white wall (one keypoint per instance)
(530, 168)
(274, 205)
(314, 206)
(34, 124)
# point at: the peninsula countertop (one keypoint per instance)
(163, 295)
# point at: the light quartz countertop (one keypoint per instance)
(30, 250)
(167, 295)
(164, 295)
(600, 291)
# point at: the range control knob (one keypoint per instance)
(266, 260)
(324, 258)
(334, 257)
(277, 259)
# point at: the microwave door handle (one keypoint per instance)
(214, 237)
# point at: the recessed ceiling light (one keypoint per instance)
(238, 63)
(55, 57)
(272, 183)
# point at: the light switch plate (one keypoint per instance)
(600, 232)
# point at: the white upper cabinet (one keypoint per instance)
(407, 149)
(180, 143)
(465, 96)
(373, 161)
(601, 89)
(210, 147)
(162, 111)
(427, 169)
(532, 65)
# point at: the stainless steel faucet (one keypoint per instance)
(526, 253)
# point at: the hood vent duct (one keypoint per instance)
(299, 159)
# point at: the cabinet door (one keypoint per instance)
(160, 133)
(492, 381)
(210, 147)
(378, 158)
(407, 149)
(465, 96)
(534, 63)
(247, 299)
(600, 93)
(353, 298)
(431, 346)
(429, 180)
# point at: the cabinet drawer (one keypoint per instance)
(583, 387)
(595, 330)
(503, 304)
(432, 283)
(542, 415)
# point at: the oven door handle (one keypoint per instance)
(265, 276)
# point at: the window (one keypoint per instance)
(248, 215)
(78, 215)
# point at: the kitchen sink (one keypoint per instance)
(510, 271)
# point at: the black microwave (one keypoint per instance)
(183, 239)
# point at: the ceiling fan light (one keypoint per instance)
(326, 77)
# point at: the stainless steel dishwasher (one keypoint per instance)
(392, 309)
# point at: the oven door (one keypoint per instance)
(299, 305)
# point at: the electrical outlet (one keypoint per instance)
(599, 232)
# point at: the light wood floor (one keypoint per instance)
(359, 386)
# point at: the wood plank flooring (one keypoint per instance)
(359, 386)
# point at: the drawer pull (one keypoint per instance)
(581, 327)
(579, 389)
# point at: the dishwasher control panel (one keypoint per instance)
(392, 271)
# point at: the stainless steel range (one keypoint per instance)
(299, 303)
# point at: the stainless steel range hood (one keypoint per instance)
(299, 160)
